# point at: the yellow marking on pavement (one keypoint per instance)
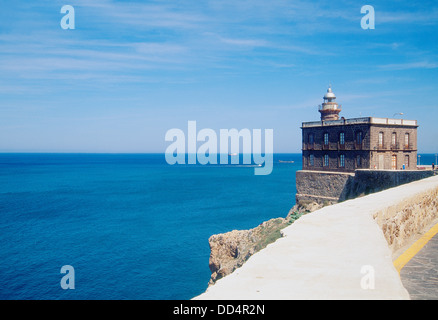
(404, 258)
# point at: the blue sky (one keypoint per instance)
(131, 70)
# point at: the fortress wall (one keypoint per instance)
(332, 187)
(320, 186)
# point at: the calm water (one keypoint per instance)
(427, 159)
(132, 226)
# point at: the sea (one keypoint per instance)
(126, 226)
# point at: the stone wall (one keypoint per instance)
(321, 187)
(402, 222)
(334, 149)
(332, 187)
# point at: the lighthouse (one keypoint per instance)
(329, 109)
(334, 146)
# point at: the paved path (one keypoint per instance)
(332, 253)
(324, 255)
(420, 275)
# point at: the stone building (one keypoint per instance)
(344, 145)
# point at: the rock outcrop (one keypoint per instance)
(229, 251)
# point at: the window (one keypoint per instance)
(342, 161)
(380, 140)
(359, 137)
(406, 161)
(358, 161)
(406, 140)
(381, 162)
(394, 162)
(326, 160)
(393, 138)
(311, 160)
(342, 138)
(326, 138)
(311, 138)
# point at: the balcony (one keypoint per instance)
(308, 146)
(341, 146)
(381, 146)
(395, 146)
(329, 106)
(325, 146)
(409, 146)
(358, 146)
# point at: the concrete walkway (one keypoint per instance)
(338, 252)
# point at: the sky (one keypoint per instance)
(132, 70)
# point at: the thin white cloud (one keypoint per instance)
(245, 42)
(140, 14)
(417, 17)
(409, 65)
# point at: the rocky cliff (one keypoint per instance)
(229, 251)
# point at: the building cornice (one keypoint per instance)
(365, 120)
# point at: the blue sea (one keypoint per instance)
(131, 225)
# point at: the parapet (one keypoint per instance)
(326, 254)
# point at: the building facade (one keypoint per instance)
(344, 145)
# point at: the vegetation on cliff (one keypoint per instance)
(230, 250)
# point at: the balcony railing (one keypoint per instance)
(358, 146)
(395, 146)
(409, 146)
(330, 106)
